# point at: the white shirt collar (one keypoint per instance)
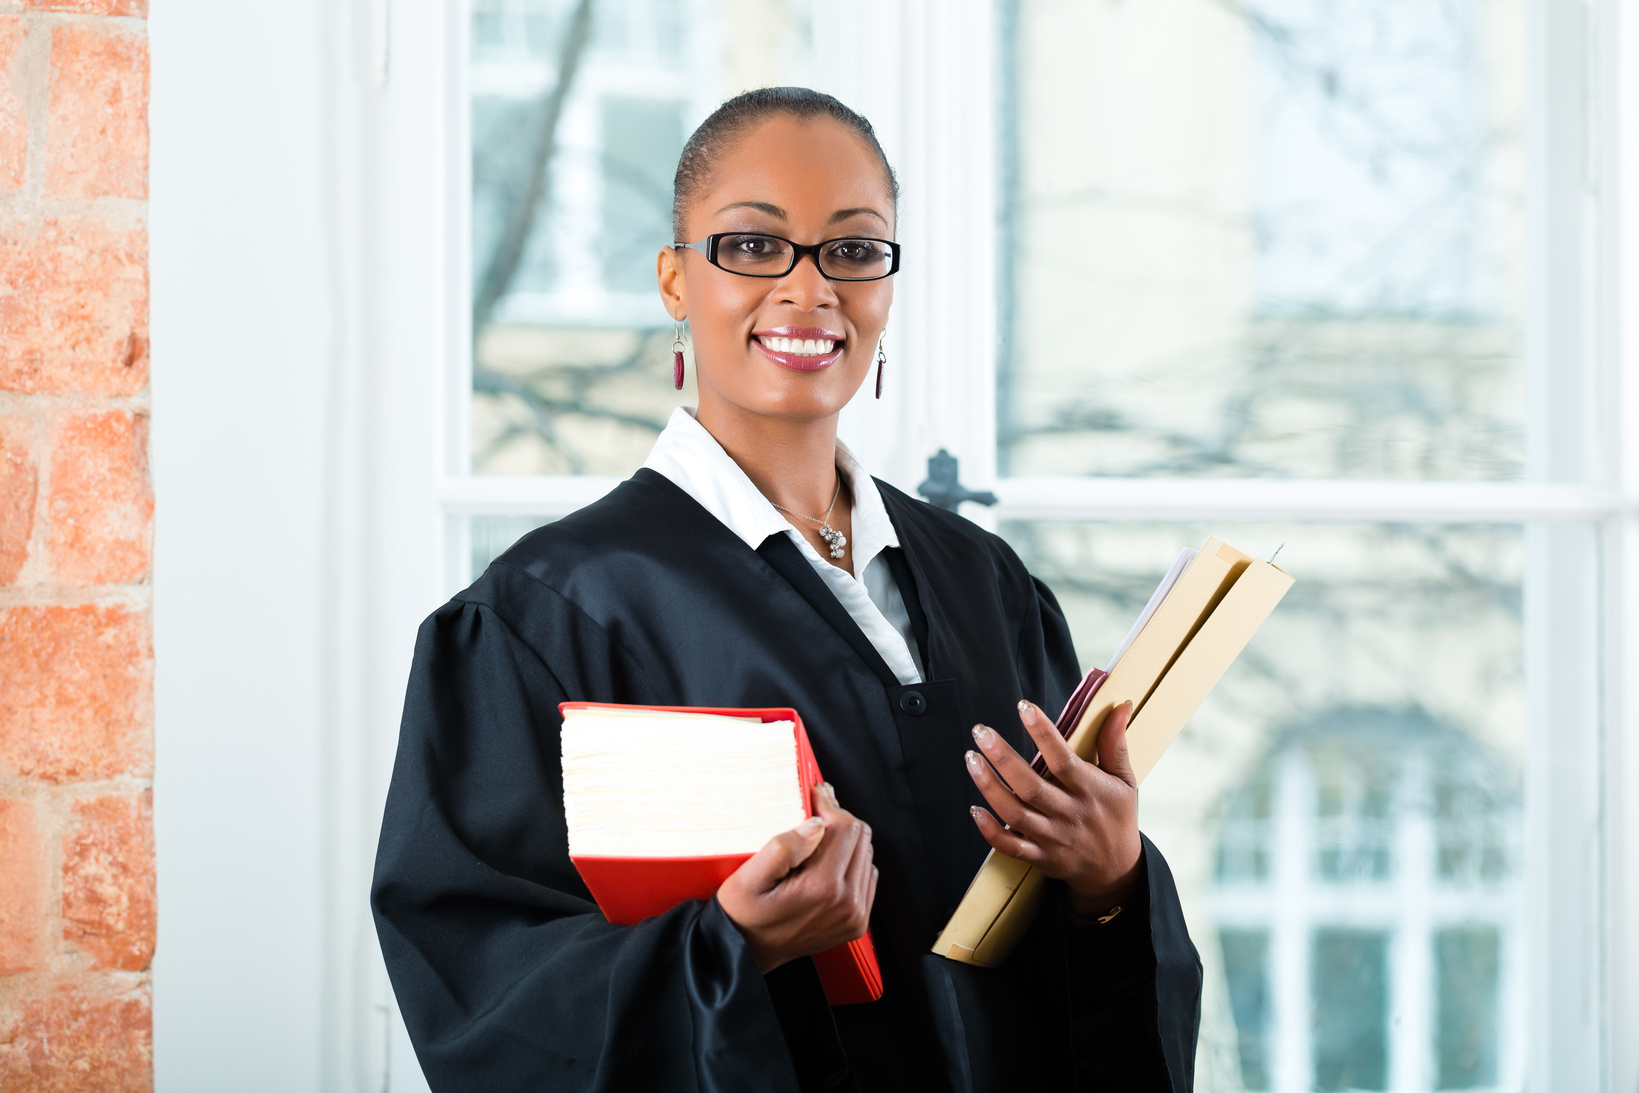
(691, 457)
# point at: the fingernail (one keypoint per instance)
(1026, 710)
(983, 735)
(974, 811)
(974, 763)
(811, 825)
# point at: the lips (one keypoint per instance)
(799, 348)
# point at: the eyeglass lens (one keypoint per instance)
(770, 256)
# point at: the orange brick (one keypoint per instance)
(19, 485)
(101, 506)
(13, 121)
(76, 693)
(90, 7)
(108, 882)
(75, 1041)
(97, 113)
(73, 308)
(20, 892)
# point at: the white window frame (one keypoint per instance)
(405, 256)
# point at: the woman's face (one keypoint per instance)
(807, 181)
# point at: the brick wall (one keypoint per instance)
(77, 908)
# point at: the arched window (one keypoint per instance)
(1364, 890)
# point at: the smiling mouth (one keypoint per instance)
(798, 347)
(799, 354)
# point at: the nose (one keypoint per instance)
(805, 287)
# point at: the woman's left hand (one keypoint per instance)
(1081, 825)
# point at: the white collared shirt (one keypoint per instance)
(693, 460)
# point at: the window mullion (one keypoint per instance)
(1160, 499)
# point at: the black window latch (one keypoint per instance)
(942, 488)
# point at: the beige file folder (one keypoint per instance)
(1188, 644)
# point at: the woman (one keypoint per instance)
(752, 562)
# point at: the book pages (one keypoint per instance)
(654, 784)
(1185, 556)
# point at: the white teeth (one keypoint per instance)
(800, 347)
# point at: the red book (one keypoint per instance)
(629, 888)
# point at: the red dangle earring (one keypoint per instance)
(881, 359)
(677, 359)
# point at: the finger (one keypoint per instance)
(825, 804)
(1008, 842)
(836, 853)
(1028, 786)
(1112, 744)
(823, 799)
(1012, 811)
(858, 879)
(783, 853)
(1054, 749)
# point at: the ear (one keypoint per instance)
(668, 268)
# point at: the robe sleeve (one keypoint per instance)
(506, 975)
(1135, 984)
(1135, 989)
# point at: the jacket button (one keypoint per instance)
(913, 703)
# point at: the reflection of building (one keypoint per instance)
(567, 361)
(1240, 234)
(1369, 852)
(1378, 714)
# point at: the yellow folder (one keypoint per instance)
(1202, 625)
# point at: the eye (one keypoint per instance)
(855, 251)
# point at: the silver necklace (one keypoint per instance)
(831, 535)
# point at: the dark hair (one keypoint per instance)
(740, 113)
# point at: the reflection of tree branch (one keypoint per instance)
(493, 383)
(519, 221)
(545, 407)
(657, 190)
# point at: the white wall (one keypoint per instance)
(296, 537)
(241, 326)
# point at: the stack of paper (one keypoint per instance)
(1194, 627)
(650, 783)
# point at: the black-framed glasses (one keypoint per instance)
(752, 254)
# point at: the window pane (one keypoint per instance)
(1246, 973)
(1344, 814)
(490, 536)
(1349, 975)
(1465, 960)
(1280, 238)
(574, 140)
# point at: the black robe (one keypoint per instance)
(507, 976)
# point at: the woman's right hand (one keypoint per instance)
(808, 889)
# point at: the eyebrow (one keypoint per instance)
(779, 213)
(844, 214)
(760, 206)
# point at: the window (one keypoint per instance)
(1317, 277)
(1384, 864)
(1276, 239)
(1288, 243)
(576, 115)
